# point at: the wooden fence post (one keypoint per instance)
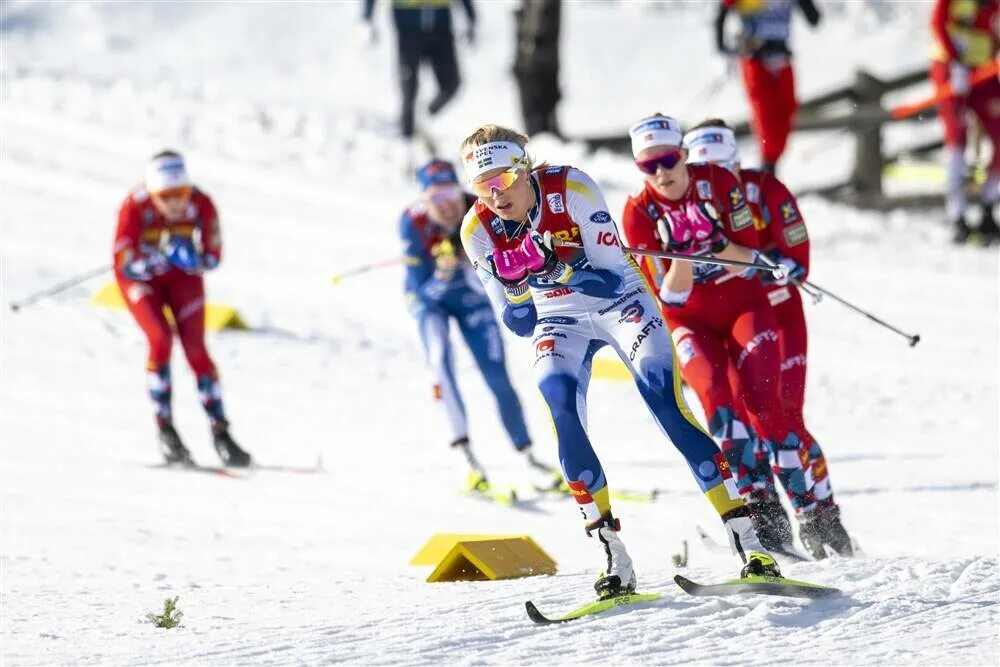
(868, 159)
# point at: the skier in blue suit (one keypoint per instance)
(441, 286)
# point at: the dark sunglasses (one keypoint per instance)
(667, 160)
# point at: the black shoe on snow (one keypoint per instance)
(231, 454)
(822, 528)
(961, 230)
(171, 447)
(771, 524)
(988, 231)
(760, 565)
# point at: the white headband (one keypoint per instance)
(655, 131)
(711, 144)
(167, 172)
(495, 154)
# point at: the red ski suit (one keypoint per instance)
(766, 65)
(965, 32)
(783, 234)
(141, 230)
(726, 320)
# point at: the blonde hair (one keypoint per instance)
(485, 134)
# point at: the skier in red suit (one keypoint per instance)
(784, 240)
(766, 63)
(965, 38)
(717, 317)
(167, 237)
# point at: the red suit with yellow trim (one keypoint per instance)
(965, 33)
(966, 40)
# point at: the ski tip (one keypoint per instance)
(535, 615)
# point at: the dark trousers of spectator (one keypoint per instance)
(436, 47)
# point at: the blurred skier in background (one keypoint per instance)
(766, 62)
(547, 251)
(965, 39)
(423, 34)
(441, 287)
(168, 235)
(784, 240)
(718, 316)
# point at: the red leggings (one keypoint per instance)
(983, 100)
(732, 324)
(184, 295)
(771, 92)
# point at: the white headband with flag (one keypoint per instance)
(166, 172)
(481, 159)
(655, 131)
(711, 144)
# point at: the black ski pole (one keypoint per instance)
(61, 287)
(913, 339)
(776, 270)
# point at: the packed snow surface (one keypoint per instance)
(288, 123)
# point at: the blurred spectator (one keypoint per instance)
(424, 34)
(965, 39)
(766, 62)
(536, 65)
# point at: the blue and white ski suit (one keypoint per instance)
(606, 301)
(436, 300)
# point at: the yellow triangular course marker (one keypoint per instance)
(218, 316)
(441, 543)
(489, 560)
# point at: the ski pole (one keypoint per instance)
(816, 296)
(61, 287)
(777, 271)
(913, 339)
(813, 293)
(365, 268)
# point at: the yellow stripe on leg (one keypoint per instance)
(719, 497)
(603, 501)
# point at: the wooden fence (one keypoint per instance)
(866, 120)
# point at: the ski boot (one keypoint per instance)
(760, 565)
(740, 531)
(771, 524)
(960, 230)
(619, 577)
(476, 481)
(171, 446)
(822, 528)
(988, 231)
(231, 454)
